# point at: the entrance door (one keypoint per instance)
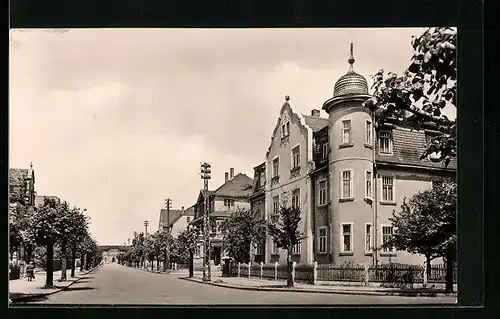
(217, 255)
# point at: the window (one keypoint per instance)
(287, 128)
(262, 179)
(386, 237)
(276, 166)
(322, 192)
(296, 156)
(387, 188)
(368, 132)
(322, 240)
(325, 150)
(296, 198)
(346, 184)
(283, 132)
(368, 238)
(296, 249)
(229, 203)
(275, 248)
(346, 238)
(276, 205)
(346, 132)
(368, 183)
(258, 250)
(188, 219)
(385, 142)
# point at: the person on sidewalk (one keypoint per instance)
(30, 271)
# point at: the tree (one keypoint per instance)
(66, 232)
(426, 225)
(242, 231)
(47, 229)
(79, 230)
(285, 232)
(419, 96)
(188, 241)
(21, 230)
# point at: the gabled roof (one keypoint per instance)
(316, 123)
(238, 186)
(169, 218)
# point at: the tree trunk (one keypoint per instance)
(165, 261)
(49, 265)
(428, 263)
(63, 262)
(191, 264)
(450, 259)
(289, 264)
(82, 260)
(73, 262)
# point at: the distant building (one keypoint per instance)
(22, 186)
(225, 200)
(346, 177)
(176, 220)
(110, 253)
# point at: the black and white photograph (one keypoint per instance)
(233, 166)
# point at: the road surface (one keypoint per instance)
(115, 284)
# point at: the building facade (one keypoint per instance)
(222, 202)
(110, 253)
(22, 186)
(176, 220)
(258, 204)
(346, 176)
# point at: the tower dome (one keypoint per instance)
(351, 82)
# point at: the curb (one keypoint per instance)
(296, 290)
(28, 297)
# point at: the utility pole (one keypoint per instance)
(168, 205)
(205, 175)
(146, 224)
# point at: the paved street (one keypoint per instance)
(115, 284)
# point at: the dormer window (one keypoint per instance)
(385, 142)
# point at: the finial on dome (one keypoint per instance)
(287, 98)
(351, 59)
(31, 164)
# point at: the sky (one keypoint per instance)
(117, 120)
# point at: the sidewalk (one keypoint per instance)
(271, 285)
(20, 289)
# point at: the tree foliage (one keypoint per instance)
(241, 231)
(426, 223)
(421, 93)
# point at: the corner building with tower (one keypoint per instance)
(346, 175)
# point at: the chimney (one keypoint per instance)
(182, 208)
(226, 177)
(231, 173)
(315, 113)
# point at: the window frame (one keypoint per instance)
(324, 238)
(351, 184)
(324, 150)
(275, 249)
(293, 156)
(390, 144)
(296, 249)
(369, 133)
(387, 201)
(383, 251)
(343, 129)
(275, 173)
(325, 190)
(351, 238)
(294, 193)
(369, 195)
(276, 205)
(370, 250)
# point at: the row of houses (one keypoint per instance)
(346, 176)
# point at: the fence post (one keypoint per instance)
(367, 274)
(425, 274)
(239, 268)
(315, 273)
(275, 271)
(293, 271)
(261, 266)
(249, 266)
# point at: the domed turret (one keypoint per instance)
(351, 82)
